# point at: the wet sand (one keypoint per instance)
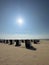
(11, 55)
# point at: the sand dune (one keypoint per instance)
(11, 55)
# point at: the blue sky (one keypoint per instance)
(35, 15)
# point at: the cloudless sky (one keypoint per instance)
(35, 15)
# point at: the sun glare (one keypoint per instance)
(20, 21)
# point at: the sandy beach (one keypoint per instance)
(11, 55)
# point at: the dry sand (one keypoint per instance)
(11, 55)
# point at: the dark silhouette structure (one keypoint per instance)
(32, 40)
(3, 41)
(11, 42)
(22, 41)
(28, 45)
(0, 41)
(36, 41)
(6, 41)
(17, 43)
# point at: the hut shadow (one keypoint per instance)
(32, 48)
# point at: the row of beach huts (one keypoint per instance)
(18, 42)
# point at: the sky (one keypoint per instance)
(34, 14)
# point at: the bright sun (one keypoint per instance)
(20, 21)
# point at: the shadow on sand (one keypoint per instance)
(31, 48)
